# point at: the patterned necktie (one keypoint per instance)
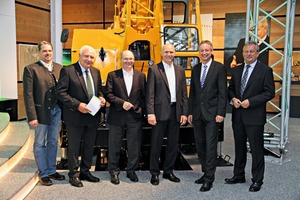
(89, 85)
(244, 80)
(203, 76)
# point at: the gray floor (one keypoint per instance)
(282, 181)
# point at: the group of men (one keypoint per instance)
(162, 98)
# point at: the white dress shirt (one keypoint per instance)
(170, 72)
(128, 78)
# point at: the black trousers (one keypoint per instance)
(133, 135)
(206, 140)
(254, 134)
(76, 134)
(169, 128)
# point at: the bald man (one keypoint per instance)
(125, 91)
(166, 103)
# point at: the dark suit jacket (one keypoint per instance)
(71, 91)
(116, 94)
(259, 90)
(210, 100)
(38, 85)
(158, 95)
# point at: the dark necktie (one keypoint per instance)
(244, 80)
(203, 76)
(89, 85)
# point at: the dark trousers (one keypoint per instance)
(170, 128)
(76, 134)
(256, 141)
(206, 139)
(133, 136)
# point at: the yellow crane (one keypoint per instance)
(143, 26)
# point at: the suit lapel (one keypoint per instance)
(196, 75)
(135, 82)
(161, 69)
(240, 74)
(209, 73)
(177, 76)
(95, 81)
(119, 74)
(80, 77)
(254, 74)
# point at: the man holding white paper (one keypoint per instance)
(125, 91)
(77, 85)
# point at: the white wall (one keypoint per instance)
(56, 28)
(8, 55)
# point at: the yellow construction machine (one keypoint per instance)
(143, 26)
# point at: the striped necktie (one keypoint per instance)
(203, 75)
(244, 80)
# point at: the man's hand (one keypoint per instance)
(219, 118)
(127, 105)
(245, 103)
(190, 119)
(236, 102)
(102, 101)
(152, 120)
(233, 64)
(83, 108)
(183, 119)
(34, 123)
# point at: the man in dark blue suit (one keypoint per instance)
(125, 91)
(250, 88)
(207, 108)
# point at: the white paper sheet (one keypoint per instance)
(94, 105)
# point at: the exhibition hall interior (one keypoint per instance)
(143, 27)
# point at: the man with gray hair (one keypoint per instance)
(250, 88)
(78, 83)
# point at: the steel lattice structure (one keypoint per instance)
(279, 121)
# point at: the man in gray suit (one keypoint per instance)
(166, 103)
(207, 108)
(43, 112)
(125, 91)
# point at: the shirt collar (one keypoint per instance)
(166, 65)
(252, 65)
(208, 63)
(83, 69)
(48, 66)
(127, 73)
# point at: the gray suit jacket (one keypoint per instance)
(210, 100)
(37, 91)
(158, 95)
